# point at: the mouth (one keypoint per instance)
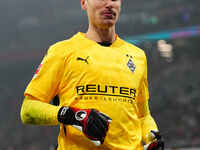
(109, 14)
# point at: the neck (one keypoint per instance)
(101, 35)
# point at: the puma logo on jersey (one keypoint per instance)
(82, 59)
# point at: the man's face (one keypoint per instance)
(102, 13)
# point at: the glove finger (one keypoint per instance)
(92, 130)
(100, 121)
(97, 127)
(102, 127)
(105, 117)
(161, 144)
(105, 120)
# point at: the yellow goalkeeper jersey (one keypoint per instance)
(85, 74)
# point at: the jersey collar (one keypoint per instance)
(87, 42)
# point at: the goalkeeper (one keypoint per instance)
(101, 82)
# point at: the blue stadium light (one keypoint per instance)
(165, 35)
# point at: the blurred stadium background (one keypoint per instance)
(168, 31)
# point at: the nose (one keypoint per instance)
(108, 3)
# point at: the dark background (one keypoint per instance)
(28, 28)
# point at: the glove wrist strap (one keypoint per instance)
(66, 115)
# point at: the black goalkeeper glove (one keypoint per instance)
(157, 143)
(91, 122)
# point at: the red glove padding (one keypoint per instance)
(91, 122)
(157, 143)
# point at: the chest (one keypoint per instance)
(107, 66)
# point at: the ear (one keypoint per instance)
(83, 4)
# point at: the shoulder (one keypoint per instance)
(64, 45)
(63, 48)
(131, 48)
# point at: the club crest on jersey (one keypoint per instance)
(131, 65)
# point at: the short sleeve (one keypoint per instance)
(45, 82)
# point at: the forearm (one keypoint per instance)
(38, 113)
(147, 121)
(148, 124)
